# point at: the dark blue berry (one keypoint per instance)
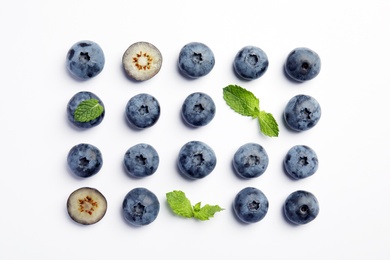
(75, 101)
(140, 207)
(196, 160)
(250, 63)
(85, 160)
(143, 110)
(300, 162)
(302, 112)
(250, 160)
(302, 64)
(85, 60)
(250, 205)
(196, 60)
(141, 160)
(301, 207)
(198, 109)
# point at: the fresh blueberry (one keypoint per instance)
(196, 160)
(75, 101)
(140, 207)
(250, 205)
(198, 109)
(196, 60)
(143, 110)
(250, 160)
(141, 160)
(302, 112)
(302, 64)
(300, 162)
(85, 60)
(85, 160)
(301, 207)
(250, 63)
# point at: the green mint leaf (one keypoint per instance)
(88, 110)
(241, 100)
(179, 204)
(206, 212)
(246, 103)
(268, 124)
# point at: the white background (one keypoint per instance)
(351, 139)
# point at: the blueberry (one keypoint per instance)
(75, 101)
(198, 109)
(143, 110)
(250, 63)
(250, 205)
(85, 60)
(300, 162)
(196, 60)
(302, 112)
(141, 160)
(250, 160)
(196, 160)
(140, 207)
(302, 64)
(85, 160)
(301, 207)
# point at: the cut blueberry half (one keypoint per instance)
(196, 160)
(300, 162)
(85, 160)
(86, 206)
(250, 160)
(250, 205)
(196, 60)
(85, 110)
(85, 60)
(198, 109)
(142, 61)
(301, 207)
(141, 160)
(140, 207)
(302, 64)
(250, 63)
(302, 112)
(143, 110)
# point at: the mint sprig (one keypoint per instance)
(181, 206)
(88, 110)
(246, 103)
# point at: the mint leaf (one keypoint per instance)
(246, 103)
(205, 212)
(241, 100)
(88, 110)
(179, 204)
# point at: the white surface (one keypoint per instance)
(351, 138)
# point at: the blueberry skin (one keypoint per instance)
(250, 205)
(141, 160)
(300, 162)
(250, 160)
(302, 112)
(73, 104)
(198, 109)
(140, 207)
(196, 60)
(302, 64)
(196, 160)
(301, 207)
(143, 110)
(85, 160)
(85, 60)
(250, 63)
